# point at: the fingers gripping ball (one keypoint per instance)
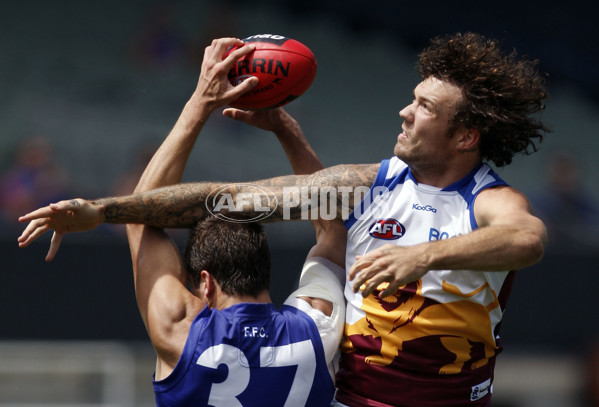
(285, 68)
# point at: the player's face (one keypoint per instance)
(425, 140)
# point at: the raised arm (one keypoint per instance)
(166, 306)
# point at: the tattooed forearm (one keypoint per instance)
(274, 199)
(176, 206)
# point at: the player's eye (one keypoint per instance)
(426, 107)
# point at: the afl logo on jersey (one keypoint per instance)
(387, 229)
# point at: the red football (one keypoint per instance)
(284, 66)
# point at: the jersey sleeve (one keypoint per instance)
(321, 278)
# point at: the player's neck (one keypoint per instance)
(443, 177)
(225, 301)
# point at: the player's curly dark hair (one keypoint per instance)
(236, 254)
(501, 92)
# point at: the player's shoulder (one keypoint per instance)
(500, 194)
(500, 204)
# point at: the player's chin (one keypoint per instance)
(398, 150)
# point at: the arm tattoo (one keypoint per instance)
(183, 205)
(176, 206)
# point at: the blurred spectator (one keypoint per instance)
(570, 213)
(34, 179)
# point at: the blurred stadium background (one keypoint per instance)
(88, 88)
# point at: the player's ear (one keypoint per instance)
(206, 286)
(468, 140)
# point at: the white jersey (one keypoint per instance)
(443, 324)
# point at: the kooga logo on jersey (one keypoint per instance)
(426, 208)
(387, 229)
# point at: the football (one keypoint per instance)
(285, 68)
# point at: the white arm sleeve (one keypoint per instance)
(322, 278)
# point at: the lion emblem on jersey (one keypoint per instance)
(409, 321)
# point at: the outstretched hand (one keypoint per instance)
(75, 215)
(393, 264)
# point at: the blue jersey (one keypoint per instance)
(249, 354)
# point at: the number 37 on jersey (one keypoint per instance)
(285, 373)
